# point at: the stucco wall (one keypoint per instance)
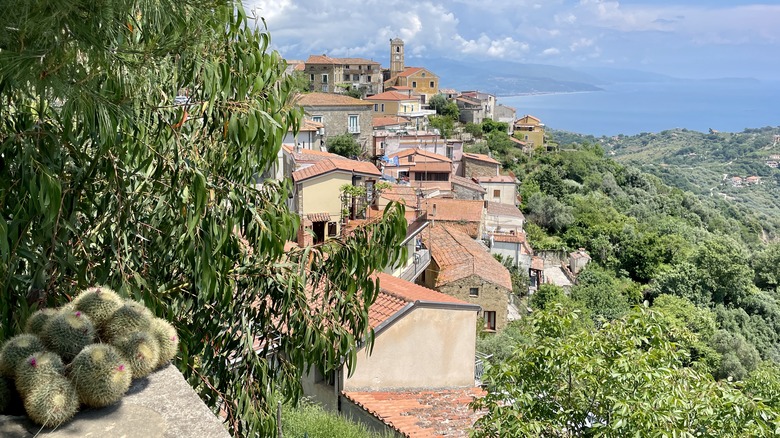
(507, 192)
(426, 348)
(491, 297)
(322, 195)
(472, 168)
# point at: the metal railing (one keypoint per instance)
(480, 360)
(422, 258)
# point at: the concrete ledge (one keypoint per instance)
(162, 405)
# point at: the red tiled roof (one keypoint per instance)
(328, 99)
(333, 165)
(421, 152)
(431, 166)
(411, 292)
(499, 209)
(459, 256)
(408, 71)
(495, 179)
(309, 155)
(400, 87)
(480, 157)
(514, 140)
(509, 238)
(389, 120)
(425, 413)
(309, 125)
(468, 183)
(537, 263)
(454, 209)
(391, 96)
(385, 306)
(403, 194)
(469, 100)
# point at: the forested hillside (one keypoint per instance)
(706, 266)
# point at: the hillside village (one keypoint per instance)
(462, 215)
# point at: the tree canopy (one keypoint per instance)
(131, 137)
(344, 145)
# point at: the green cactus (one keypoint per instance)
(37, 369)
(16, 350)
(38, 320)
(142, 351)
(100, 374)
(52, 402)
(67, 333)
(99, 303)
(130, 317)
(168, 339)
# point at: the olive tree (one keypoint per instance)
(132, 134)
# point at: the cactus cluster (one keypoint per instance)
(86, 352)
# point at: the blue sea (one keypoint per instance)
(633, 108)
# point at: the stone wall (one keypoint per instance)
(491, 297)
(473, 168)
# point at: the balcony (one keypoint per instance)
(422, 258)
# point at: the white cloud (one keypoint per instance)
(551, 51)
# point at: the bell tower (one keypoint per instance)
(396, 56)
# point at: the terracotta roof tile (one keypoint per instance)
(468, 183)
(537, 263)
(424, 413)
(459, 256)
(455, 210)
(496, 179)
(411, 292)
(309, 155)
(499, 209)
(519, 142)
(328, 99)
(318, 217)
(420, 152)
(403, 194)
(389, 120)
(391, 96)
(507, 237)
(469, 100)
(480, 157)
(333, 165)
(408, 71)
(431, 166)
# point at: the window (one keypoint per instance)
(490, 320)
(346, 76)
(397, 49)
(383, 107)
(432, 85)
(317, 119)
(449, 152)
(410, 159)
(355, 77)
(311, 77)
(496, 193)
(414, 84)
(325, 79)
(473, 291)
(331, 229)
(376, 107)
(368, 78)
(354, 125)
(423, 74)
(429, 176)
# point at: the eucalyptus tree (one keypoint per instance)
(131, 136)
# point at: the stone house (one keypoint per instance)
(336, 75)
(471, 110)
(578, 260)
(462, 268)
(486, 100)
(475, 165)
(340, 115)
(514, 246)
(466, 188)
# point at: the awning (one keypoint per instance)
(318, 217)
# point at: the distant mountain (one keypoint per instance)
(506, 78)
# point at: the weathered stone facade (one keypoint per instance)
(490, 297)
(475, 168)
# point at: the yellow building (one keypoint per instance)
(394, 103)
(530, 130)
(317, 197)
(421, 81)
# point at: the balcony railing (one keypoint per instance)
(480, 360)
(422, 258)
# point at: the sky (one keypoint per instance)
(688, 38)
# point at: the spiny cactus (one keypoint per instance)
(67, 333)
(167, 337)
(37, 369)
(52, 403)
(100, 374)
(16, 350)
(99, 303)
(130, 317)
(38, 320)
(142, 351)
